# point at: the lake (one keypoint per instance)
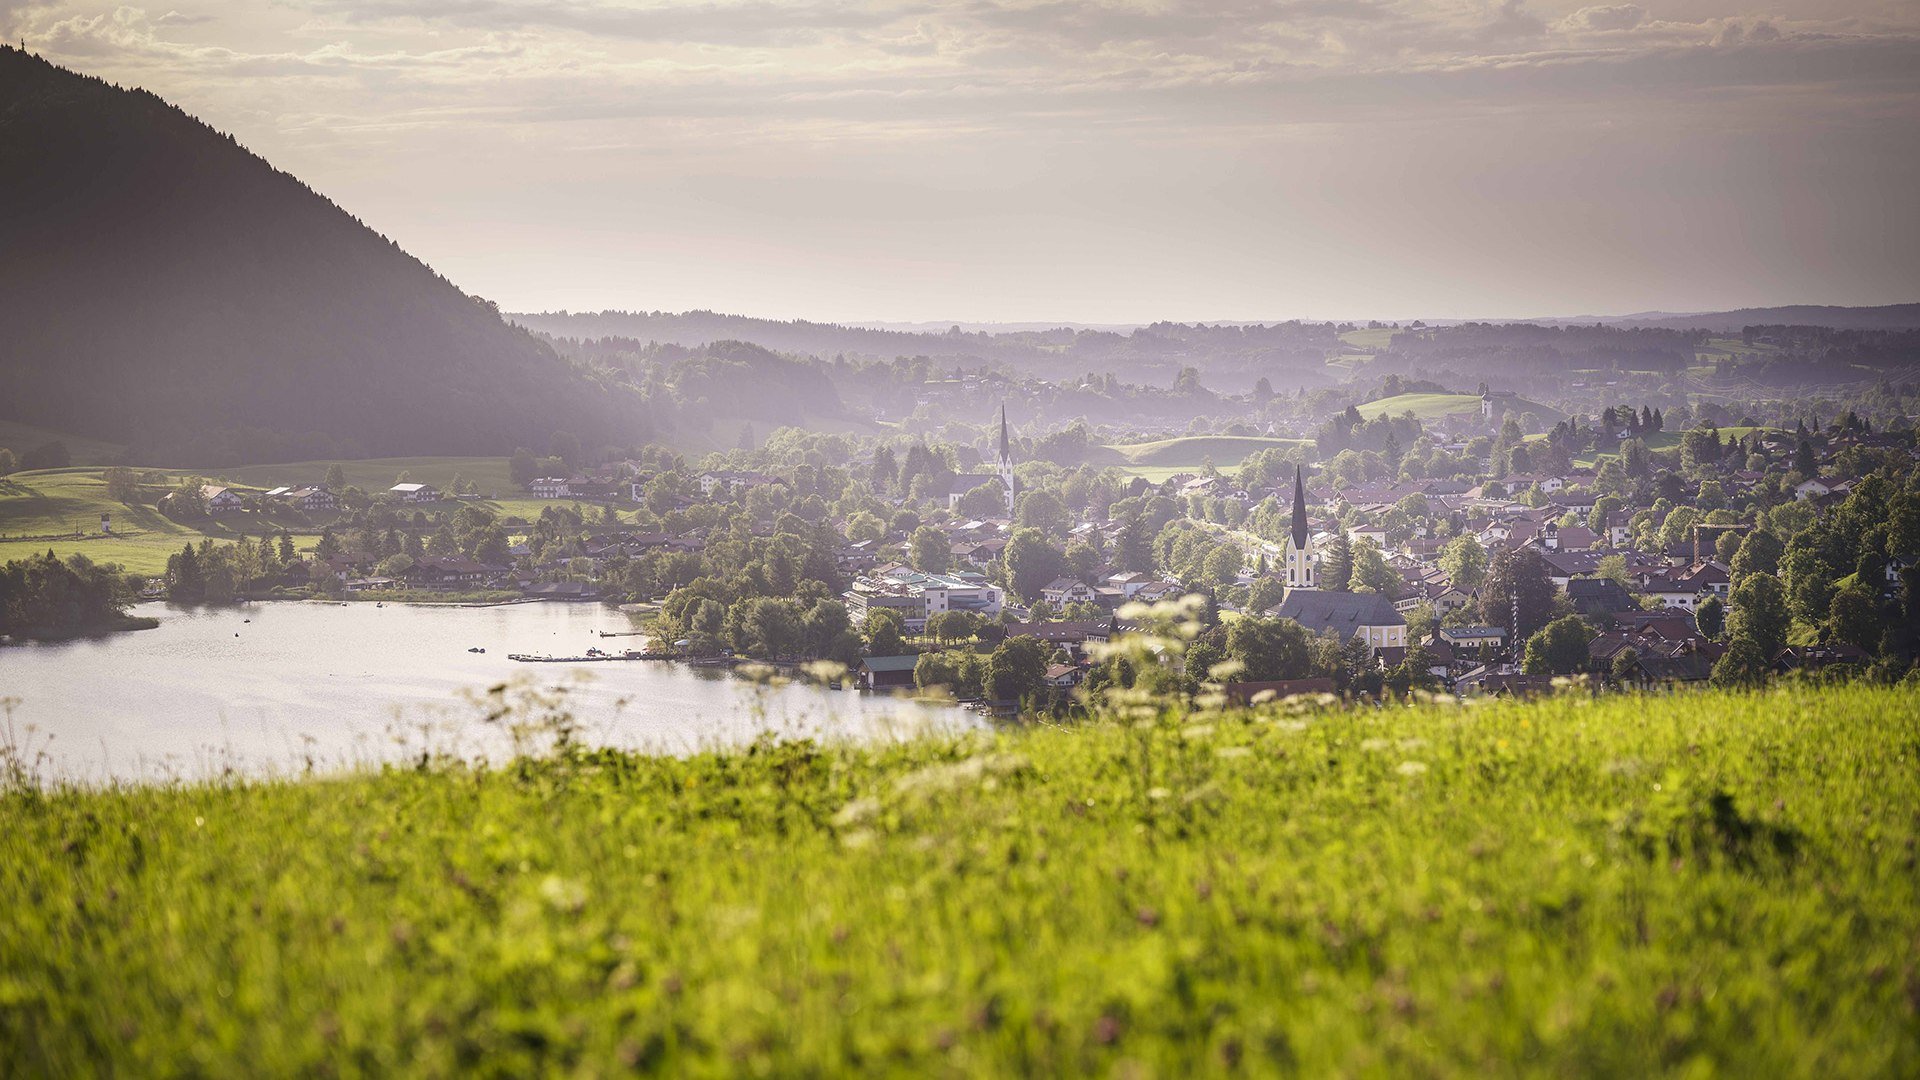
(267, 688)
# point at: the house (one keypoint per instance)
(1685, 589)
(1600, 596)
(1063, 591)
(1619, 528)
(1654, 670)
(549, 487)
(415, 493)
(1474, 637)
(450, 573)
(1064, 676)
(1819, 657)
(311, 500)
(1129, 583)
(886, 672)
(219, 500)
(733, 480)
(1368, 616)
(1812, 488)
(1070, 634)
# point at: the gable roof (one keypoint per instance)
(1338, 611)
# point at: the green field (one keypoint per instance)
(1189, 452)
(20, 438)
(1688, 885)
(1369, 339)
(57, 502)
(1424, 406)
(63, 501)
(379, 474)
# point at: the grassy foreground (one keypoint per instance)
(1703, 884)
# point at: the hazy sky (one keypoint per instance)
(1060, 159)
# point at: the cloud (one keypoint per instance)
(176, 18)
(1603, 18)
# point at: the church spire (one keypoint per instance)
(1300, 528)
(1006, 461)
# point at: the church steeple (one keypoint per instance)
(1300, 528)
(1300, 569)
(1006, 461)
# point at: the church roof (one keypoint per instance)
(1343, 612)
(1300, 528)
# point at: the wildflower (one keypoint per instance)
(1411, 768)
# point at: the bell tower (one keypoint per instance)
(1297, 562)
(1005, 463)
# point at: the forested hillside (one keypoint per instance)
(166, 289)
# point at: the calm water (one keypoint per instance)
(267, 687)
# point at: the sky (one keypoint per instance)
(1036, 160)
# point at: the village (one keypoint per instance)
(919, 574)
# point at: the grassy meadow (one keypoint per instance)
(42, 510)
(1688, 885)
(1424, 406)
(59, 502)
(1162, 458)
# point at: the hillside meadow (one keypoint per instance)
(1711, 884)
(43, 510)
(1162, 458)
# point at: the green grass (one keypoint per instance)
(379, 474)
(1424, 406)
(59, 501)
(1190, 451)
(1369, 339)
(22, 437)
(1697, 885)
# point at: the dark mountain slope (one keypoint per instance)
(162, 287)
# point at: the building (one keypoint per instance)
(734, 480)
(1005, 463)
(219, 500)
(1063, 591)
(1296, 558)
(916, 597)
(415, 493)
(1474, 637)
(1368, 616)
(549, 487)
(887, 672)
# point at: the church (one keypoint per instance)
(1368, 616)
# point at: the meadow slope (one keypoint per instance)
(1721, 883)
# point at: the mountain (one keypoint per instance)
(164, 288)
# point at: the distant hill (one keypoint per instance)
(698, 328)
(164, 288)
(1885, 317)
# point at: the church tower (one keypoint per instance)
(1006, 462)
(1297, 560)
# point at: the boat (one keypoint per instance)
(477, 649)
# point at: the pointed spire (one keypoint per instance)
(1300, 529)
(1005, 453)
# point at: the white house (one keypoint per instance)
(415, 493)
(219, 500)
